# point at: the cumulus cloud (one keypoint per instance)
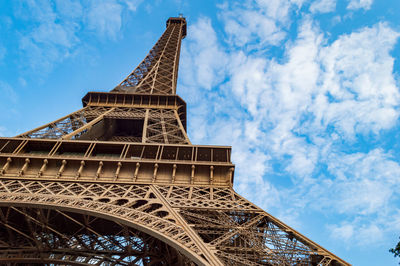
(104, 17)
(200, 75)
(290, 117)
(360, 4)
(132, 5)
(53, 36)
(252, 28)
(360, 90)
(277, 94)
(323, 6)
(48, 39)
(342, 232)
(48, 43)
(324, 94)
(255, 24)
(207, 68)
(366, 182)
(278, 10)
(348, 89)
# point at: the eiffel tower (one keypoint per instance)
(118, 182)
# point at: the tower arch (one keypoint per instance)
(79, 232)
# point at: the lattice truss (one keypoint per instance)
(96, 224)
(66, 125)
(163, 127)
(99, 123)
(73, 238)
(158, 72)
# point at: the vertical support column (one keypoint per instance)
(146, 121)
(5, 167)
(164, 131)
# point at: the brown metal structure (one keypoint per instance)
(119, 183)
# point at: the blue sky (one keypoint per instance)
(306, 92)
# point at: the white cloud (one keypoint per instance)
(279, 10)
(366, 182)
(53, 36)
(207, 68)
(201, 73)
(323, 6)
(363, 190)
(49, 39)
(352, 91)
(278, 94)
(342, 232)
(104, 17)
(298, 111)
(47, 44)
(369, 234)
(330, 85)
(132, 4)
(358, 4)
(362, 234)
(252, 27)
(360, 90)
(255, 24)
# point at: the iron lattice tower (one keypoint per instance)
(119, 183)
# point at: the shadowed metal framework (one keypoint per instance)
(119, 183)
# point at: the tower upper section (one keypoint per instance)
(158, 72)
(143, 108)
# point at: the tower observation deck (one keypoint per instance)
(118, 182)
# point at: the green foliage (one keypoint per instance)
(396, 250)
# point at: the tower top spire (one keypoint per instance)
(182, 20)
(158, 72)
